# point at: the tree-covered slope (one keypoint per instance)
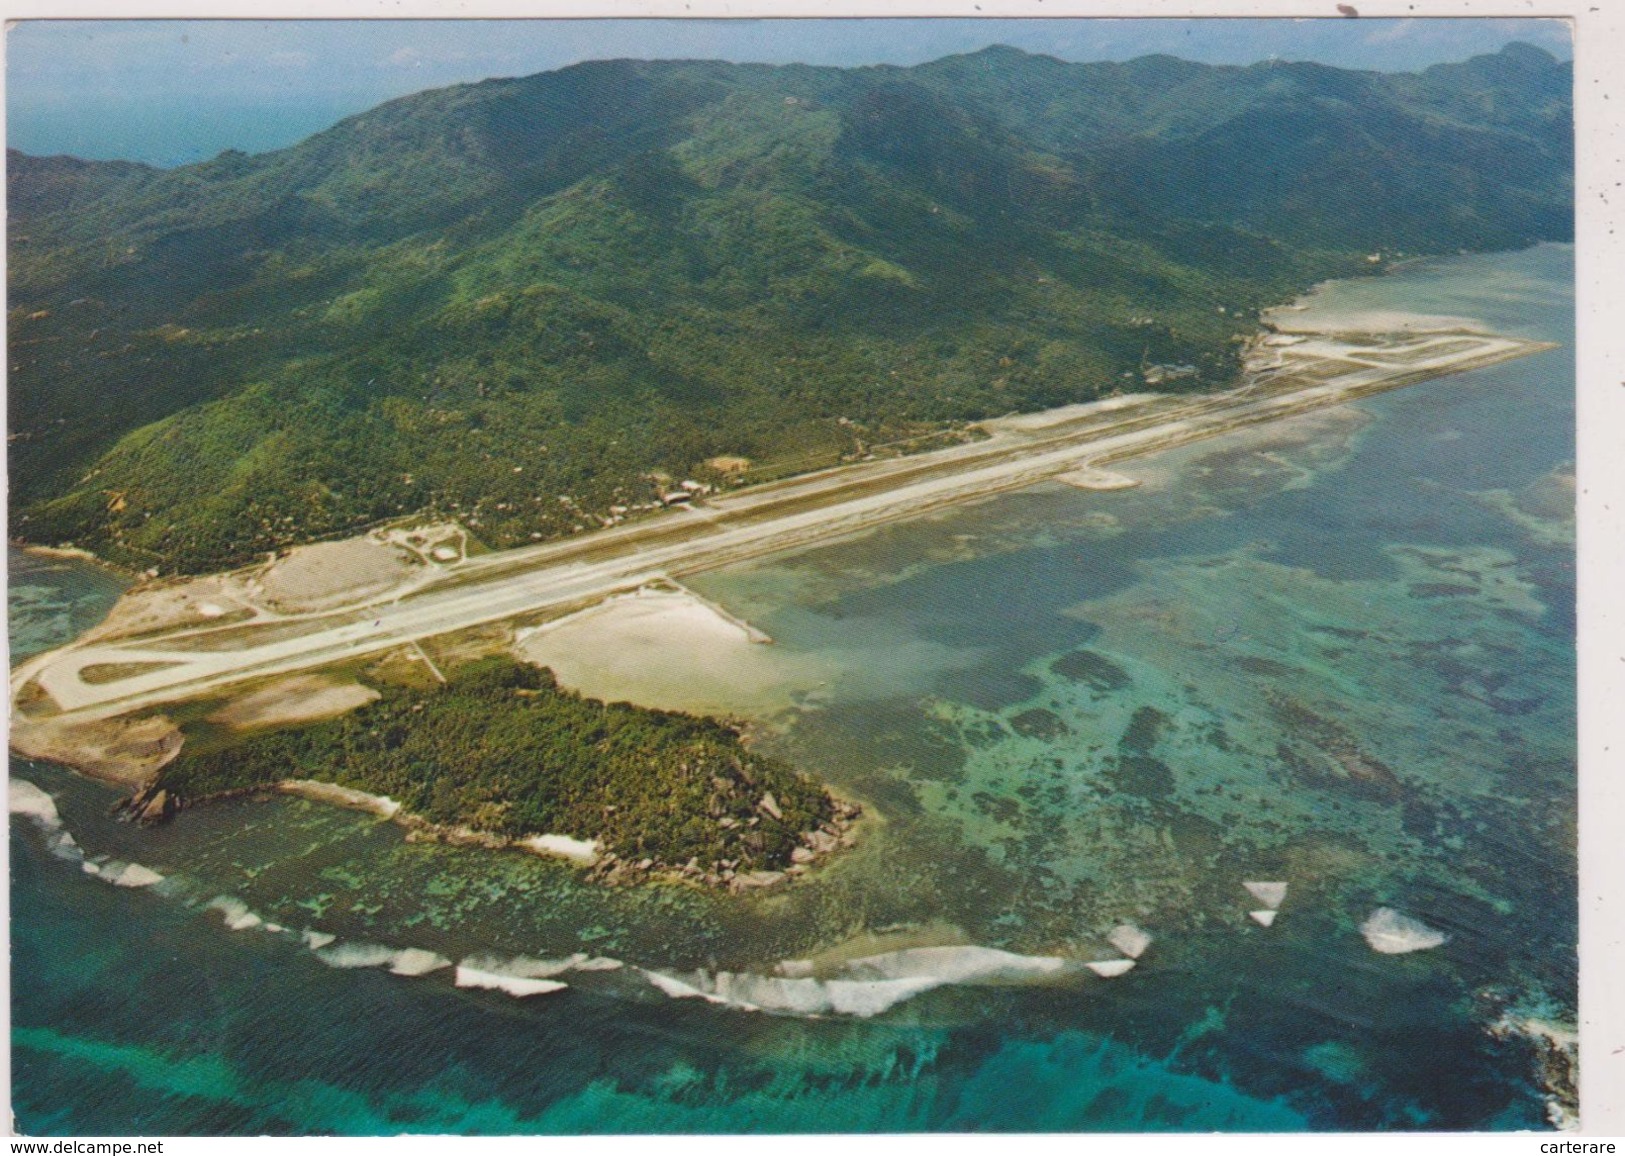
(503, 750)
(514, 301)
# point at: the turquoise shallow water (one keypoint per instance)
(1338, 652)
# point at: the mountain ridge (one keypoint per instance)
(482, 300)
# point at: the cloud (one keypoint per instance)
(1388, 31)
(437, 55)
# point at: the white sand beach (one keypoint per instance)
(672, 650)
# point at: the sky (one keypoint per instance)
(172, 92)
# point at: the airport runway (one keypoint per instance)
(793, 514)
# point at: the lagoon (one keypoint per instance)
(1337, 652)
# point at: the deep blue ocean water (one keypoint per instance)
(1338, 653)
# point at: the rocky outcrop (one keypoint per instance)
(150, 804)
(158, 808)
(1554, 1049)
(815, 845)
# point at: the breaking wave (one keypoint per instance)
(130, 875)
(1129, 939)
(64, 846)
(523, 975)
(522, 966)
(514, 985)
(1392, 933)
(862, 987)
(859, 988)
(415, 961)
(235, 912)
(24, 798)
(808, 997)
(33, 803)
(30, 801)
(351, 955)
(966, 964)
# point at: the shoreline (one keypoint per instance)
(916, 870)
(1075, 444)
(59, 552)
(121, 751)
(135, 577)
(557, 578)
(130, 753)
(1270, 320)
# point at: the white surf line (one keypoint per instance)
(873, 984)
(514, 985)
(28, 800)
(861, 988)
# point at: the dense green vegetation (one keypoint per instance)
(513, 302)
(502, 749)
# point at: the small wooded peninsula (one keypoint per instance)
(502, 753)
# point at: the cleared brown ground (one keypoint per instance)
(173, 605)
(329, 574)
(295, 699)
(125, 751)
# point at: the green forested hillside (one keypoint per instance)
(503, 750)
(514, 301)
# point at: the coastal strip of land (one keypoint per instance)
(102, 677)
